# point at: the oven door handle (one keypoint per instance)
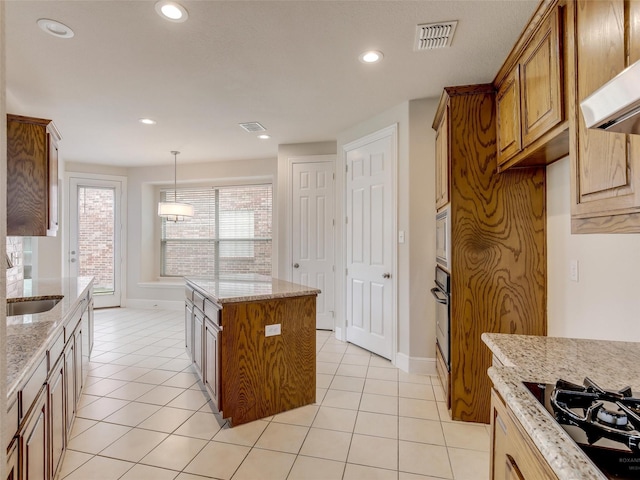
(436, 292)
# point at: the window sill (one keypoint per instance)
(173, 283)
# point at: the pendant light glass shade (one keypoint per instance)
(175, 211)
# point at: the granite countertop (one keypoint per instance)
(29, 336)
(612, 365)
(249, 288)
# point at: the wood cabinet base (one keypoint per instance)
(513, 454)
(248, 374)
(262, 375)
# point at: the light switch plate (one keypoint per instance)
(573, 270)
(271, 330)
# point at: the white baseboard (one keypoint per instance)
(155, 304)
(418, 365)
(339, 333)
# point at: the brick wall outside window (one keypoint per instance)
(190, 247)
(96, 239)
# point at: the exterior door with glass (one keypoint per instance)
(95, 229)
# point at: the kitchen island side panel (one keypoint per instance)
(261, 375)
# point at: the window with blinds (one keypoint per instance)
(230, 232)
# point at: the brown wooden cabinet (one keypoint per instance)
(498, 247)
(442, 161)
(43, 413)
(513, 453)
(57, 416)
(34, 446)
(531, 120)
(12, 461)
(212, 336)
(248, 373)
(32, 176)
(605, 166)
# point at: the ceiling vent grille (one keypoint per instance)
(252, 127)
(434, 35)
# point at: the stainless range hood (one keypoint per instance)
(615, 107)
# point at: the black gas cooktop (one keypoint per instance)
(605, 424)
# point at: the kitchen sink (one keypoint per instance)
(26, 306)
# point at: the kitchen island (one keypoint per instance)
(252, 341)
(517, 358)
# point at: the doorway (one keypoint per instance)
(95, 235)
(370, 248)
(312, 231)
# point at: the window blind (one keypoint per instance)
(230, 232)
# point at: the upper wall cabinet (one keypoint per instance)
(532, 128)
(32, 176)
(442, 159)
(605, 166)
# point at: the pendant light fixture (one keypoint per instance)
(174, 211)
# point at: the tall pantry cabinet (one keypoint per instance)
(498, 251)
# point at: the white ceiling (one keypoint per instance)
(290, 65)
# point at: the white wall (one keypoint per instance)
(422, 225)
(415, 216)
(605, 302)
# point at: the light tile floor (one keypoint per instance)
(144, 416)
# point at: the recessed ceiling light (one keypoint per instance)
(147, 121)
(55, 28)
(264, 136)
(172, 11)
(372, 56)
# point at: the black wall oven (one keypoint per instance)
(442, 294)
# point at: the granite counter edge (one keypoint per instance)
(35, 358)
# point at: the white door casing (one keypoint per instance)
(370, 247)
(312, 233)
(106, 235)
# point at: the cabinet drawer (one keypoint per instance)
(198, 300)
(72, 322)
(188, 294)
(212, 311)
(33, 386)
(54, 352)
(513, 449)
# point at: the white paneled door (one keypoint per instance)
(370, 164)
(95, 229)
(312, 259)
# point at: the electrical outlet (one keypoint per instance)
(573, 270)
(271, 330)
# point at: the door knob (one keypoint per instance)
(386, 275)
(296, 265)
(73, 260)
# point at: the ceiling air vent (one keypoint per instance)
(434, 35)
(252, 127)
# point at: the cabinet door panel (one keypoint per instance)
(12, 462)
(541, 81)
(188, 330)
(70, 384)
(508, 117)
(197, 338)
(57, 416)
(603, 156)
(79, 376)
(34, 442)
(442, 161)
(212, 360)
